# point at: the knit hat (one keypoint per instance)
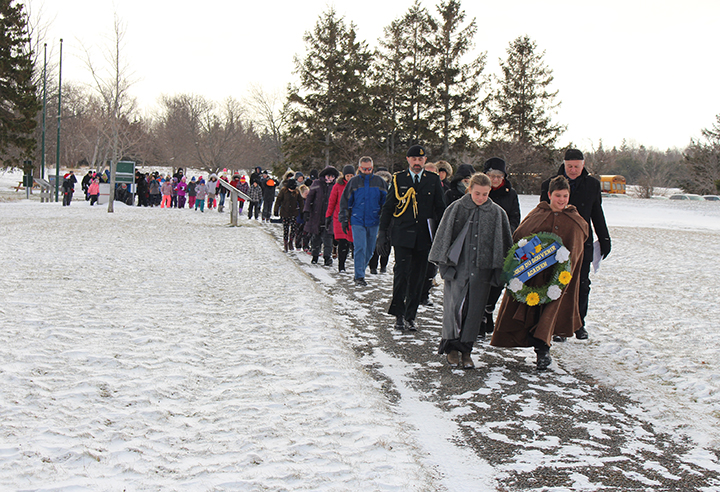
(242, 179)
(416, 151)
(494, 164)
(299, 175)
(464, 171)
(574, 155)
(192, 179)
(349, 169)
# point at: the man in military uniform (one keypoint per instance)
(413, 206)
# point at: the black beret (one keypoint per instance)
(416, 151)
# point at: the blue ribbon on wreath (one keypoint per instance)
(538, 261)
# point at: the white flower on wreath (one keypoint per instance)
(515, 285)
(562, 254)
(554, 292)
(522, 243)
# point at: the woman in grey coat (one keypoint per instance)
(469, 247)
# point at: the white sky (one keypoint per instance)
(641, 70)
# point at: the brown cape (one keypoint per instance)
(517, 322)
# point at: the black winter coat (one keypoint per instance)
(507, 198)
(317, 201)
(408, 230)
(585, 195)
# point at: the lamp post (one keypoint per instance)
(44, 113)
(59, 112)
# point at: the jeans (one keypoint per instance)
(364, 239)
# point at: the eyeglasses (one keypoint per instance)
(495, 176)
(366, 169)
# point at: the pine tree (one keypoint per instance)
(328, 110)
(401, 88)
(522, 107)
(19, 103)
(702, 159)
(456, 84)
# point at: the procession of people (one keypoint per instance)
(463, 224)
(467, 226)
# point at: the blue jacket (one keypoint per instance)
(362, 200)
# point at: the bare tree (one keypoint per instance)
(270, 111)
(113, 87)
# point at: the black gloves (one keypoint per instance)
(605, 247)
(328, 223)
(345, 227)
(383, 245)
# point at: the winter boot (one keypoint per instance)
(328, 261)
(314, 260)
(581, 334)
(543, 358)
(286, 246)
(467, 362)
(453, 358)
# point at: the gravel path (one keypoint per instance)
(552, 430)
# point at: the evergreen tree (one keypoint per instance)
(702, 160)
(19, 103)
(403, 95)
(520, 112)
(328, 110)
(457, 84)
(522, 107)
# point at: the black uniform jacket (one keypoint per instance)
(409, 230)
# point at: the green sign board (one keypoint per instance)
(125, 172)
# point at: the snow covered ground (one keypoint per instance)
(162, 350)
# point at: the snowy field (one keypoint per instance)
(162, 350)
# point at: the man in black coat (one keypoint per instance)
(414, 203)
(585, 195)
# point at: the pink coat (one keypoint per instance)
(94, 188)
(334, 210)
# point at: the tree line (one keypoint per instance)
(423, 83)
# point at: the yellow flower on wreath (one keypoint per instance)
(565, 277)
(532, 299)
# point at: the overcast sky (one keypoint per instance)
(645, 71)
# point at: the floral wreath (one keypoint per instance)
(560, 278)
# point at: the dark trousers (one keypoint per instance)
(323, 240)
(343, 250)
(254, 208)
(377, 258)
(408, 277)
(585, 285)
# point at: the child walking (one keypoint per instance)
(287, 206)
(200, 193)
(469, 247)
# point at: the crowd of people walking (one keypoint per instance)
(460, 223)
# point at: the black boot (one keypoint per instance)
(543, 358)
(314, 260)
(328, 261)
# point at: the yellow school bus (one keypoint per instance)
(612, 183)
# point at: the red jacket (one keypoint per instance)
(334, 209)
